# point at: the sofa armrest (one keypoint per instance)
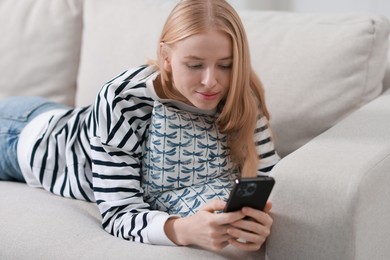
(331, 198)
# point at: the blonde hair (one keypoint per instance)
(239, 111)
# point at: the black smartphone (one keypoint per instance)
(250, 192)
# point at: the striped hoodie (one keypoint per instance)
(95, 154)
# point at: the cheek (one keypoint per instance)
(183, 78)
(225, 80)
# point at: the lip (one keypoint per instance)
(208, 96)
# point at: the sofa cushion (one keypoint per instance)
(316, 68)
(117, 34)
(40, 48)
(38, 225)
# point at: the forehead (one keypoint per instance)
(212, 43)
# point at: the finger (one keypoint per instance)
(245, 246)
(256, 236)
(249, 230)
(258, 216)
(214, 205)
(229, 218)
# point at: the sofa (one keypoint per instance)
(327, 83)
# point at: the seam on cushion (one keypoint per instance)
(369, 56)
(75, 6)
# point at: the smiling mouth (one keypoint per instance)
(208, 95)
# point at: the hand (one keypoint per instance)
(249, 234)
(206, 228)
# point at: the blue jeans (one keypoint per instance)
(15, 114)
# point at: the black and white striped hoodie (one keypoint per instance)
(94, 154)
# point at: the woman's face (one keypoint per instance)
(201, 68)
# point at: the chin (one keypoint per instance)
(208, 107)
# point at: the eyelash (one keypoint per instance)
(196, 67)
(226, 67)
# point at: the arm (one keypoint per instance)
(118, 126)
(268, 157)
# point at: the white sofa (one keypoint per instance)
(327, 90)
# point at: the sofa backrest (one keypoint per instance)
(316, 68)
(40, 48)
(117, 35)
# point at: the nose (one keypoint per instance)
(209, 78)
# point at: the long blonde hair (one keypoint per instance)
(240, 108)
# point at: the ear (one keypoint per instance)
(165, 53)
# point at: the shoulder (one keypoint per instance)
(124, 102)
(262, 124)
(129, 86)
(133, 78)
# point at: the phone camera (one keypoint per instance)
(251, 188)
(247, 190)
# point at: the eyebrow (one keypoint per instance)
(193, 57)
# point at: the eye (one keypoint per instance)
(226, 66)
(194, 66)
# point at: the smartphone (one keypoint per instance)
(250, 192)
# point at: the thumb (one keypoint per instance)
(268, 207)
(214, 205)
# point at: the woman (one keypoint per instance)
(158, 150)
